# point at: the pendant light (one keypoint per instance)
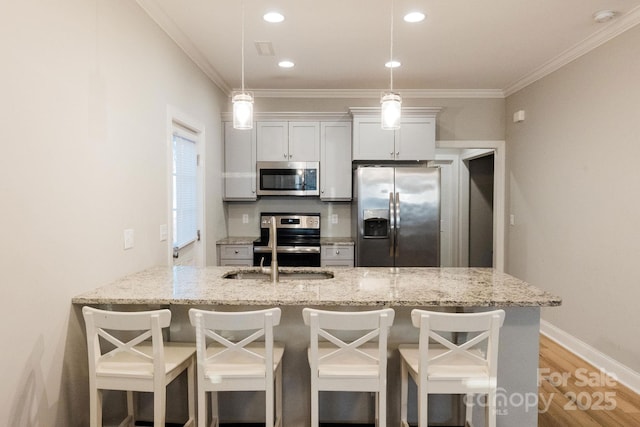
(242, 101)
(390, 101)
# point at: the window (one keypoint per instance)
(185, 203)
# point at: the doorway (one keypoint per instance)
(463, 154)
(481, 171)
(186, 190)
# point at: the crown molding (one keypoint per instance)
(375, 93)
(262, 116)
(614, 29)
(406, 111)
(171, 29)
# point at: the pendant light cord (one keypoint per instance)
(391, 50)
(242, 47)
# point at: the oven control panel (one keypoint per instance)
(307, 221)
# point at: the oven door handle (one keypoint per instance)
(288, 249)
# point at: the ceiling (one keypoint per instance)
(463, 47)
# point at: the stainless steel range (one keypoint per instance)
(298, 236)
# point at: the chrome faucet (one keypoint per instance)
(273, 245)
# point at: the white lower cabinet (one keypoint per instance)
(235, 255)
(336, 255)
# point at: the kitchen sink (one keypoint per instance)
(284, 275)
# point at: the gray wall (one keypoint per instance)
(574, 181)
(85, 87)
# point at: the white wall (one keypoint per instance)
(574, 183)
(85, 86)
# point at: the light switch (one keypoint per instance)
(334, 218)
(245, 218)
(164, 232)
(512, 219)
(128, 238)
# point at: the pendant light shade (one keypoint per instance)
(390, 102)
(391, 110)
(242, 101)
(242, 110)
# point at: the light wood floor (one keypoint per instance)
(574, 393)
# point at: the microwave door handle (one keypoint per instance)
(392, 225)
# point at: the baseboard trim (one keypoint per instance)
(622, 373)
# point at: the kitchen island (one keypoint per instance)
(450, 289)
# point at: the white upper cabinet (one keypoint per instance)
(370, 142)
(335, 162)
(288, 141)
(415, 140)
(239, 163)
(273, 141)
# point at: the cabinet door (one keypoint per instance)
(239, 163)
(416, 139)
(335, 161)
(304, 141)
(272, 141)
(336, 256)
(370, 141)
(235, 255)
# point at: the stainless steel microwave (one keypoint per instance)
(288, 178)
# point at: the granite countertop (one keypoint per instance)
(363, 286)
(247, 240)
(347, 241)
(237, 240)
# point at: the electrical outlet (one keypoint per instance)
(128, 238)
(334, 218)
(245, 218)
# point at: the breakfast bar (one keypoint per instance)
(446, 289)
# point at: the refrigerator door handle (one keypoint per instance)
(397, 225)
(392, 225)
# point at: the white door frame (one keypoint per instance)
(177, 117)
(499, 190)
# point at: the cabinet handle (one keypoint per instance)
(290, 155)
(285, 155)
(397, 153)
(236, 252)
(337, 251)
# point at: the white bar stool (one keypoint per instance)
(445, 367)
(136, 365)
(357, 365)
(238, 364)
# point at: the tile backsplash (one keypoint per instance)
(242, 217)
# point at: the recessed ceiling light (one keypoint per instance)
(414, 17)
(392, 64)
(604, 16)
(273, 17)
(286, 64)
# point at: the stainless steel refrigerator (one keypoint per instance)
(397, 216)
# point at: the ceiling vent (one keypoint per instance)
(264, 48)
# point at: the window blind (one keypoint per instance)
(185, 218)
